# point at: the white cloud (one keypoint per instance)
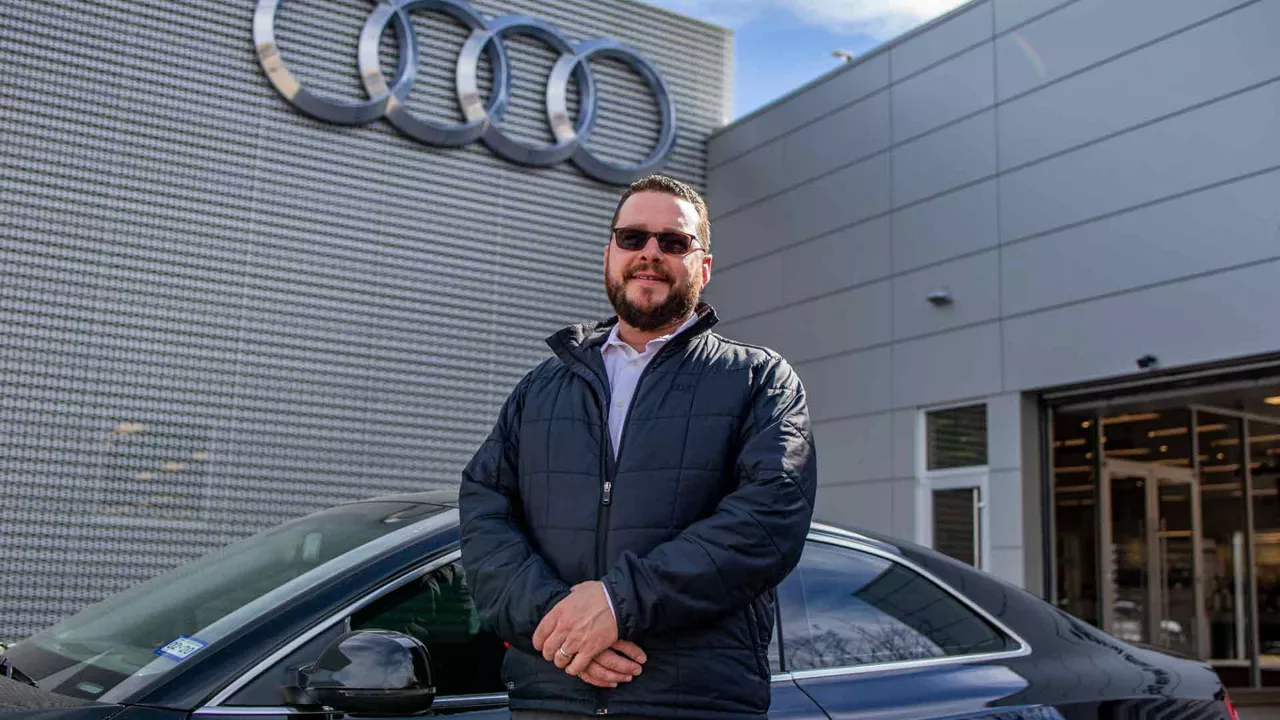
(881, 19)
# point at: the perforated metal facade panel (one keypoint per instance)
(218, 313)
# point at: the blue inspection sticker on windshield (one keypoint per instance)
(181, 648)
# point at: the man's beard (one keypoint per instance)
(681, 300)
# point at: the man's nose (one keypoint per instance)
(651, 251)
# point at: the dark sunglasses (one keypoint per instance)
(670, 242)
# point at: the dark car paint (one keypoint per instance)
(1073, 667)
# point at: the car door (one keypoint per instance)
(868, 635)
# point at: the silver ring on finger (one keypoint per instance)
(562, 652)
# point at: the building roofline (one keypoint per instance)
(687, 18)
(880, 49)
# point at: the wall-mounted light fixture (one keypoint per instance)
(940, 298)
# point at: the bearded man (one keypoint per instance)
(643, 492)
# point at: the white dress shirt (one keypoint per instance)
(625, 366)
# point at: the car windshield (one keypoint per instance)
(116, 646)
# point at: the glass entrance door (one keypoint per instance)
(1151, 556)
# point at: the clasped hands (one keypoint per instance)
(580, 636)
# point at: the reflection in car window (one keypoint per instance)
(438, 610)
(844, 608)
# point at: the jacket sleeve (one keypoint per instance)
(512, 585)
(752, 540)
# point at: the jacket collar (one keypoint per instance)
(575, 343)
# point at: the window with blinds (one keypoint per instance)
(956, 524)
(956, 438)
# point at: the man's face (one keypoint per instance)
(651, 290)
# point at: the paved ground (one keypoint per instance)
(1259, 713)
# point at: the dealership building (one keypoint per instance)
(1024, 259)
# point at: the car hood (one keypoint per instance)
(21, 701)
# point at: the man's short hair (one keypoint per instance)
(671, 186)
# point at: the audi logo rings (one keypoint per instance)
(387, 98)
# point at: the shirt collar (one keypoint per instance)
(615, 341)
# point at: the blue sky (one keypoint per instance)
(783, 44)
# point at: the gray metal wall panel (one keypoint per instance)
(1004, 501)
(843, 259)
(837, 140)
(947, 36)
(903, 509)
(1222, 227)
(1229, 314)
(1213, 144)
(829, 203)
(947, 367)
(749, 288)
(832, 92)
(849, 381)
(845, 321)
(1051, 48)
(865, 505)
(974, 284)
(854, 451)
(958, 87)
(957, 223)
(746, 179)
(906, 426)
(1204, 63)
(1005, 441)
(220, 313)
(1015, 12)
(948, 158)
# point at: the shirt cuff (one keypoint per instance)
(610, 601)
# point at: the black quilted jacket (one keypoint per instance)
(704, 512)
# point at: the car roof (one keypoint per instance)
(825, 531)
(443, 498)
(821, 531)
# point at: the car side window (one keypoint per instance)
(438, 610)
(847, 608)
(435, 608)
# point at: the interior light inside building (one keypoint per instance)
(1131, 417)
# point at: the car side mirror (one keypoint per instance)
(369, 672)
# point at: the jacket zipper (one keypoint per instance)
(606, 493)
(606, 490)
(602, 518)
(611, 468)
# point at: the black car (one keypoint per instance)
(869, 628)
